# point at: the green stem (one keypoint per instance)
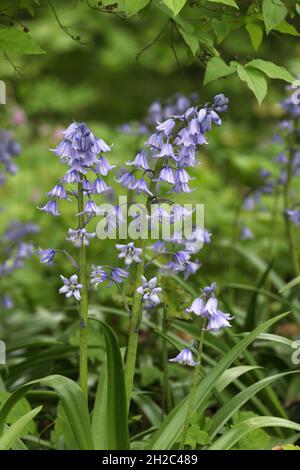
(193, 390)
(167, 395)
(136, 313)
(83, 337)
(288, 224)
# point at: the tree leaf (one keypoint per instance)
(13, 41)
(175, 5)
(274, 11)
(132, 7)
(286, 28)
(8, 438)
(255, 81)
(256, 34)
(271, 70)
(230, 3)
(216, 68)
(191, 40)
(220, 28)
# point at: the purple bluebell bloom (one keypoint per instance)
(71, 287)
(99, 186)
(178, 261)
(98, 275)
(140, 161)
(246, 233)
(149, 291)
(46, 256)
(7, 302)
(80, 237)
(167, 126)
(141, 186)
(191, 267)
(58, 192)
(51, 208)
(294, 216)
(117, 276)
(126, 179)
(185, 358)
(157, 247)
(130, 253)
(90, 208)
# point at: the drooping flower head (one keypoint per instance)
(185, 358)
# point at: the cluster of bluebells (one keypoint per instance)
(175, 143)
(15, 250)
(206, 307)
(83, 154)
(287, 163)
(9, 149)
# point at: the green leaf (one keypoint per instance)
(8, 438)
(286, 28)
(13, 41)
(216, 68)
(257, 439)
(196, 436)
(274, 11)
(114, 398)
(255, 81)
(132, 7)
(172, 426)
(256, 34)
(231, 437)
(230, 3)
(294, 282)
(191, 40)
(232, 406)
(21, 408)
(271, 70)
(220, 28)
(290, 447)
(73, 403)
(175, 5)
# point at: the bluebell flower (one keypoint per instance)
(58, 192)
(149, 291)
(140, 161)
(220, 103)
(99, 186)
(51, 208)
(294, 216)
(7, 302)
(103, 166)
(141, 186)
(130, 253)
(87, 186)
(71, 287)
(90, 208)
(246, 233)
(178, 261)
(46, 256)
(157, 247)
(167, 174)
(72, 176)
(167, 126)
(98, 275)
(191, 267)
(80, 237)
(198, 307)
(155, 141)
(166, 151)
(217, 320)
(117, 275)
(185, 358)
(126, 179)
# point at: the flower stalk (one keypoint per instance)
(83, 332)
